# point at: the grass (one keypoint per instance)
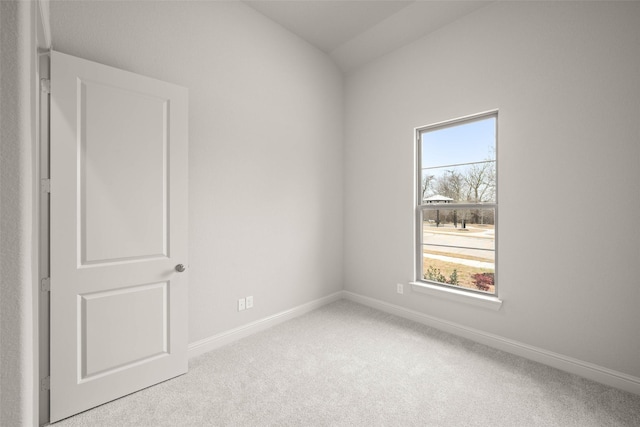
(464, 271)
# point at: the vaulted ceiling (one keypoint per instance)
(354, 32)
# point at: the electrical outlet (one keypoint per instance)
(400, 288)
(249, 302)
(241, 304)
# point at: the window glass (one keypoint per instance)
(458, 208)
(459, 244)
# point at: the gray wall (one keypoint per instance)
(265, 153)
(17, 238)
(564, 76)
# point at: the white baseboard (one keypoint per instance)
(207, 344)
(568, 364)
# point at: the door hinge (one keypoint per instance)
(45, 85)
(45, 284)
(45, 383)
(45, 185)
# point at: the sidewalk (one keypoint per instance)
(467, 262)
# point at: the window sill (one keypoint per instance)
(486, 301)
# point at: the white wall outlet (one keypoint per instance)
(241, 304)
(249, 302)
(400, 288)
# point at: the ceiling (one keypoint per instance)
(354, 32)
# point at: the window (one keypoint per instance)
(457, 205)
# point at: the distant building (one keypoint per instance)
(438, 199)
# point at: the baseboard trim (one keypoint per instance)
(211, 343)
(568, 364)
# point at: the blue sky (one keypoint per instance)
(463, 143)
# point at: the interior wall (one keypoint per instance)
(564, 76)
(265, 154)
(17, 131)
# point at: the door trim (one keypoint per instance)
(41, 31)
(41, 361)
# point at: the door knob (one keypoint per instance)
(180, 268)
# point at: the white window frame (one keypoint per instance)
(475, 297)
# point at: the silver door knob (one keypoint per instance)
(180, 268)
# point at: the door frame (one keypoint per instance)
(40, 359)
(42, 217)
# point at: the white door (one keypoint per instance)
(118, 231)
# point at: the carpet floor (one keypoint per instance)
(349, 365)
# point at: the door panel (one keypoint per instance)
(123, 131)
(118, 229)
(139, 331)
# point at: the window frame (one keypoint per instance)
(420, 208)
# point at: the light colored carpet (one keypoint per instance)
(349, 365)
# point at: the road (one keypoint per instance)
(481, 240)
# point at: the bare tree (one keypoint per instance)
(480, 182)
(427, 183)
(450, 184)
